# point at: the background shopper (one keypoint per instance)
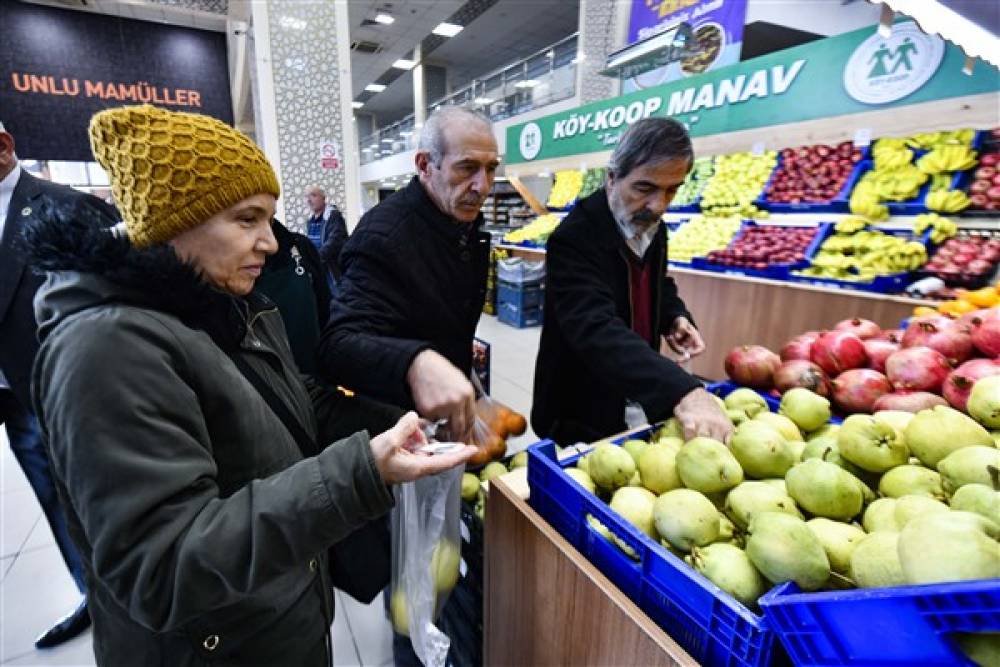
(610, 307)
(202, 491)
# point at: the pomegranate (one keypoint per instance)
(752, 366)
(861, 328)
(909, 401)
(891, 335)
(801, 373)
(986, 337)
(958, 384)
(858, 389)
(941, 334)
(798, 347)
(878, 351)
(917, 368)
(971, 321)
(838, 351)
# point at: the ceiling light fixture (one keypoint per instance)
(405, 134)
(357, 105)
(374, 87)
(447, 29)
(527, 83)
(483, 100)
(384, 19)
(404, 63)
(387, 141)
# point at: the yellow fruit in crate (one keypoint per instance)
(956, 307)
(923, 311)
(986, 297)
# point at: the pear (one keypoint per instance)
(635, 505)
(444, 565)
(898, 419)
(828, 430)
(777, 483)
(908, 479)
(581, 478)
(747, 400)
(980, 499)
(969, 465)
(671, 428)
(737, 417)
(494, 469)
(707, 465)
(761, 450)
(635, 448)
(838, 540)
(399, 613)
(807, 410)
(658, 468)
(872, 444)
(782, 424)
(600, 528)
(636, 479)
(686, 519)
(984, 401)
(952, 546)
(729, 568)
(880, 516)
(470, 487)
(783, 548)
(610, 467)
(982, 648)
(909, 508)
(671, 443)
(934, 434)
(754, 497)
(825, 489)
(797, 447)
(583, 463)
(519, 460)
(875, 561)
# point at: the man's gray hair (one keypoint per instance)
(432, 136)
(650, 141)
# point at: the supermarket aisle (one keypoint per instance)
(35, 587)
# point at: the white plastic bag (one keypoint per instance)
(426, 552)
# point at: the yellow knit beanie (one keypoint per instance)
(171, 171)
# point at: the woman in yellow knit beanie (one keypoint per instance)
(205, 487)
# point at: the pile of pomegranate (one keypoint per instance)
(812, 174)
(763, 246)
(966, 260)
(984, 191)
(863, 368)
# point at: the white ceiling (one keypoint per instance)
(145, 11)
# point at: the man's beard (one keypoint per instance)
(643, 218)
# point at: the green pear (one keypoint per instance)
(728, 567)
(785, 426)
(747, 400)
(875, 561)
(969, 465)
(824, 489)
(978, 498)
(686, 519)
(761, 451)
(470, 487)
(838, 540)
(952, 546)
(658, 468)
(708, 466)
(753, 497)
(581, 478)
(908, 479)
(809, 411)
(934, 434)
(871, 443)
(611, 467)
(783, 548)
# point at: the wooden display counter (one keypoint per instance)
(737, 310)
(545, 604)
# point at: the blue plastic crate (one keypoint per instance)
(913, 206)
(908, 625)
(773, 272)
(706, 621)
(523, 297)
(838, 204)
(520, 318)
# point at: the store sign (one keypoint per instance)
(794, 85)
(717, 26)
(59, 67)
(329, 154)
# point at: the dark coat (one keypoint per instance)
(18, 284)
(414, 278)
(590, 360)
(332, 241)
(295, 279)
(202, 525)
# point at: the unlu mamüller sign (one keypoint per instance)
(142, 91)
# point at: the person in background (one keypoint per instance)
(22, 198)
(414, 280)
(295, 279)
(613, 320)
(326, 228)
(200, 487)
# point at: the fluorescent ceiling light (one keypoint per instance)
(527, 83)
(384, 19)
(483, 100)
(447, 29)
(387, 141)
(403, 63)
(405, 134)
(374, 87)
(357, 105)
(373, 146)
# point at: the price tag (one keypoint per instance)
(863, 137)
(758, 148)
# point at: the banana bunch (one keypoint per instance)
(851, 224)
(947, 201)
(897, 185)
(537, 230)
(566, 188)
(949, 157)
(889, 157)
(864, 255)
(940, 182)
(865, 200)
(928, 140)
(942, 228)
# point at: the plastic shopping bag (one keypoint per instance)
(494, 423)
(426, 552)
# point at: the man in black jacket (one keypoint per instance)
(326, 228)
(610, 308)
(22, 198)
(414, 279)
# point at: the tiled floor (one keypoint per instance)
(35, 588)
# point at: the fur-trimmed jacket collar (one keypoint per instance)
(88, 265)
